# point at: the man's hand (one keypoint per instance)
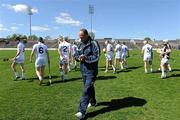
(82, 58)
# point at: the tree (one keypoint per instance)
(147, 38)
(48, 37)
(33, 37)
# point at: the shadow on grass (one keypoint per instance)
(65, 81)
(125, 70)
(156, 71)
(175, 70)
(106, 77)
(46, 77)
(174, 75)
(116, 104)
(131, 68)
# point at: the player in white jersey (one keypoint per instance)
(117, 54)
(64, 51)
(164, 57)
(74, 50)
(19, 59)
(124, 55)
(109, 51)
(148, 56)
(41, 53)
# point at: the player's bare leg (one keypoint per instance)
(115, 62)
(151, 68)
(38, 73)
(13, 66)
(23, 71)
(61, 71)
(114, 69)
(164, 69)
(107, 65)
(122, 66)
(169, 67)
(145, 67)
(65, 69)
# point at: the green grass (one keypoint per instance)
(128, 95)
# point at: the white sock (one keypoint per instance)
(16, 74)
(170, 69)
(40, 78)
(163, 73)
(23, 74)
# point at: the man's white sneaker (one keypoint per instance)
(92, 105)
(89, 105)
(79, 115)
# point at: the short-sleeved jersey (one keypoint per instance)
(74, 49)
(124, 49)
(21, 49)
(118, 48)
(40, 50)
(147, 50)
(65, 48)
(109, 48)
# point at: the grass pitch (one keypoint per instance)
(127, 95)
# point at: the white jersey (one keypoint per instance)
(147, 50)
(109, 48)
(118, 51)
(21, 49)
(65, 49)
(74, 49)
(41, 50)
(124, 49)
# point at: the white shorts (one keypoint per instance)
(109, 56)
(40, 62)
(63, 61)
(164, 61)
(147, 58)
(123, 57)
(118, 56)
(19, 61)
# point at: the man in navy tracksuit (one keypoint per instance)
(88, 56)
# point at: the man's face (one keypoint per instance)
(82, 36)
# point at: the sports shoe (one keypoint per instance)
(151, 70)
(92, 105)
(23, 78)
(16, 78)
(79, 115)
(106, 71)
